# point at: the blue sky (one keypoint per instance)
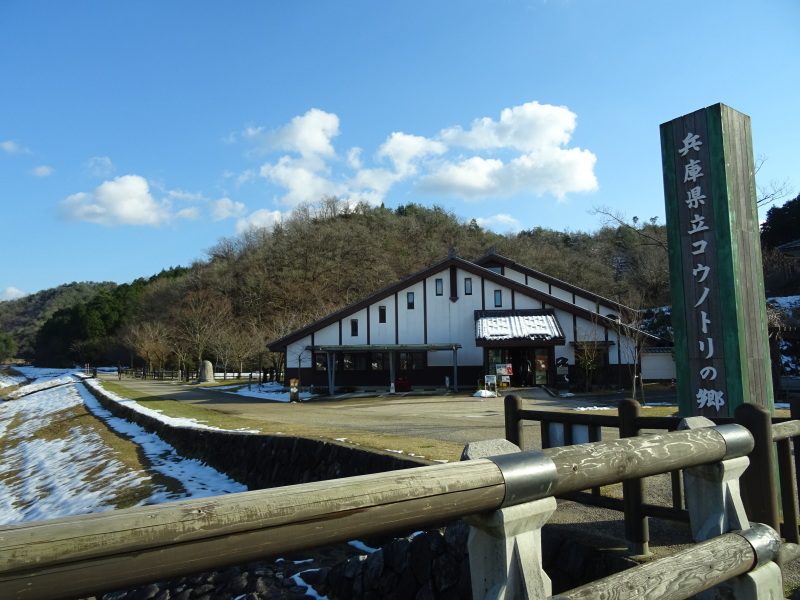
(135, 135)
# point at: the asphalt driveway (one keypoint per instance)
(452, 418)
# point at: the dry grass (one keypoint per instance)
(419, 447)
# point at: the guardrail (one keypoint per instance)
(506, 499)
(773, 454)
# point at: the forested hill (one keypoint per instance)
(22, 317)
(260, 285)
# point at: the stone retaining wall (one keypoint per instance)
(264, 461)
(434, 565)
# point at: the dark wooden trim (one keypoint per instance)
(550, 280)
(396, 318)
(453, 283)
(425, 310)
(467, 266)
(368, 323)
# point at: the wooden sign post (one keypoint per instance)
(718, 307)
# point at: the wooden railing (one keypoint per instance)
(772, 454)
(92, 554)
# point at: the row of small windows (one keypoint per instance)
(498, 301)
(370, 361)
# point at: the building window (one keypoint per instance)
(348, 363)
(412, 361)
(381, 314)
(410, 300)
(468, 286)
(498, 270)
(320, 361)
(498, 297)
(439, 287)
(353, 327)
(380, 361)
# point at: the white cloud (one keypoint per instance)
(260, 218)
(225, 208)
(309, 135)
(42, 171)
(12, 293)
(501, 223)
(405, 150)
(557, 172)
(354, 158)
(532, 127)
(190, 214)
(525, 151)
(303, 182)
(12, 147)
(472, 178)
(99, 166)
(533, 135)
(125, 200)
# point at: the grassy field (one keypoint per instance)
(419, 447)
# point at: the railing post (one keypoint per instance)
(713, 497)
(759, 486)
(637, 528)
(505, 546)
(513, 404)
(712, 491)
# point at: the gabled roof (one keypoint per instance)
(492, 257)
(453, 261)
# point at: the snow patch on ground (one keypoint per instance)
(45, 477)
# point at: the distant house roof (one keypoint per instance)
(517, 325)
(791, 248)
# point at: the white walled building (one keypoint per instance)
(456, 321)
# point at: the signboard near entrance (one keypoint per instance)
(718, 308)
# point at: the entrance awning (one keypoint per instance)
(518, 328)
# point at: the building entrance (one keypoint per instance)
(523, 367)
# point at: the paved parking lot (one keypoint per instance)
(452, 418)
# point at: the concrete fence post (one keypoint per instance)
(714, 501)
(505, 546)
(505, 552)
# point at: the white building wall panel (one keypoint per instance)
(658, 366)
(586, 303)
(382, 333)
(439, 309)
(561, 294)
(360, 318)
(539, 285)
(514, 275)
(328, 335)
(526, 303)
(411, 321)
(489, 295)
(297, 353)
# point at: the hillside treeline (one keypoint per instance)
(266, 282)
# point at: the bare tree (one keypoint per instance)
(590, 350)
(200, 317)
(775, 190)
